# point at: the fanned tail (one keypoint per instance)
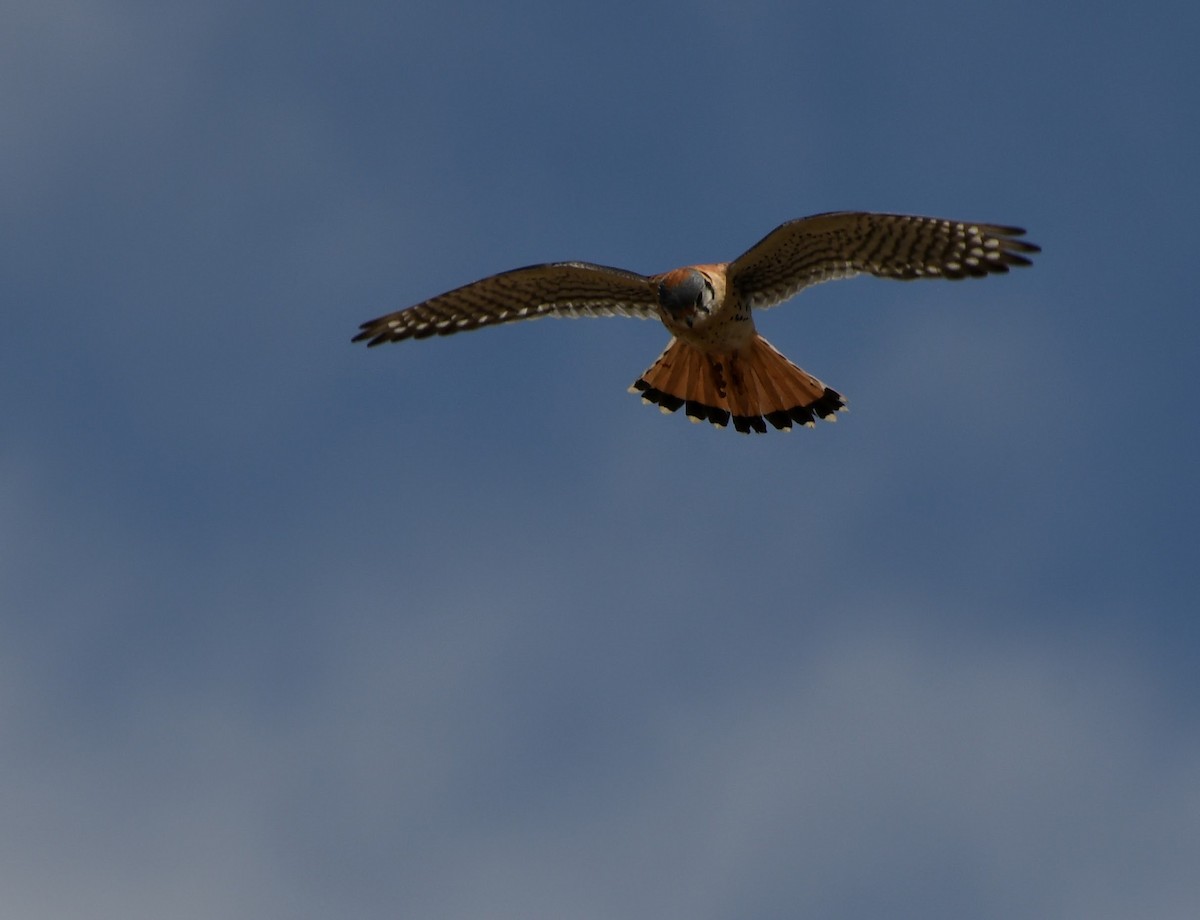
(751, 385)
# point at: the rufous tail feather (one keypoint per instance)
(751, 385)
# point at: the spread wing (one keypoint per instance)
(553, 289)
(844, 243)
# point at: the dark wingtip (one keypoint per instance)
(374, 333)
(1012, 247)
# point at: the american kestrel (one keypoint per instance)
(716, 366)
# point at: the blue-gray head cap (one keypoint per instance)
(681, 291)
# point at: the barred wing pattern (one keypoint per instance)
(552, 289)
(845, 243)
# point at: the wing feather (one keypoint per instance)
(841, 244)
(552, 289)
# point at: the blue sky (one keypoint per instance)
(459, 628)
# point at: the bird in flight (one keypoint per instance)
(717, 368)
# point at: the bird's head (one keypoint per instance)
(686, 293)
